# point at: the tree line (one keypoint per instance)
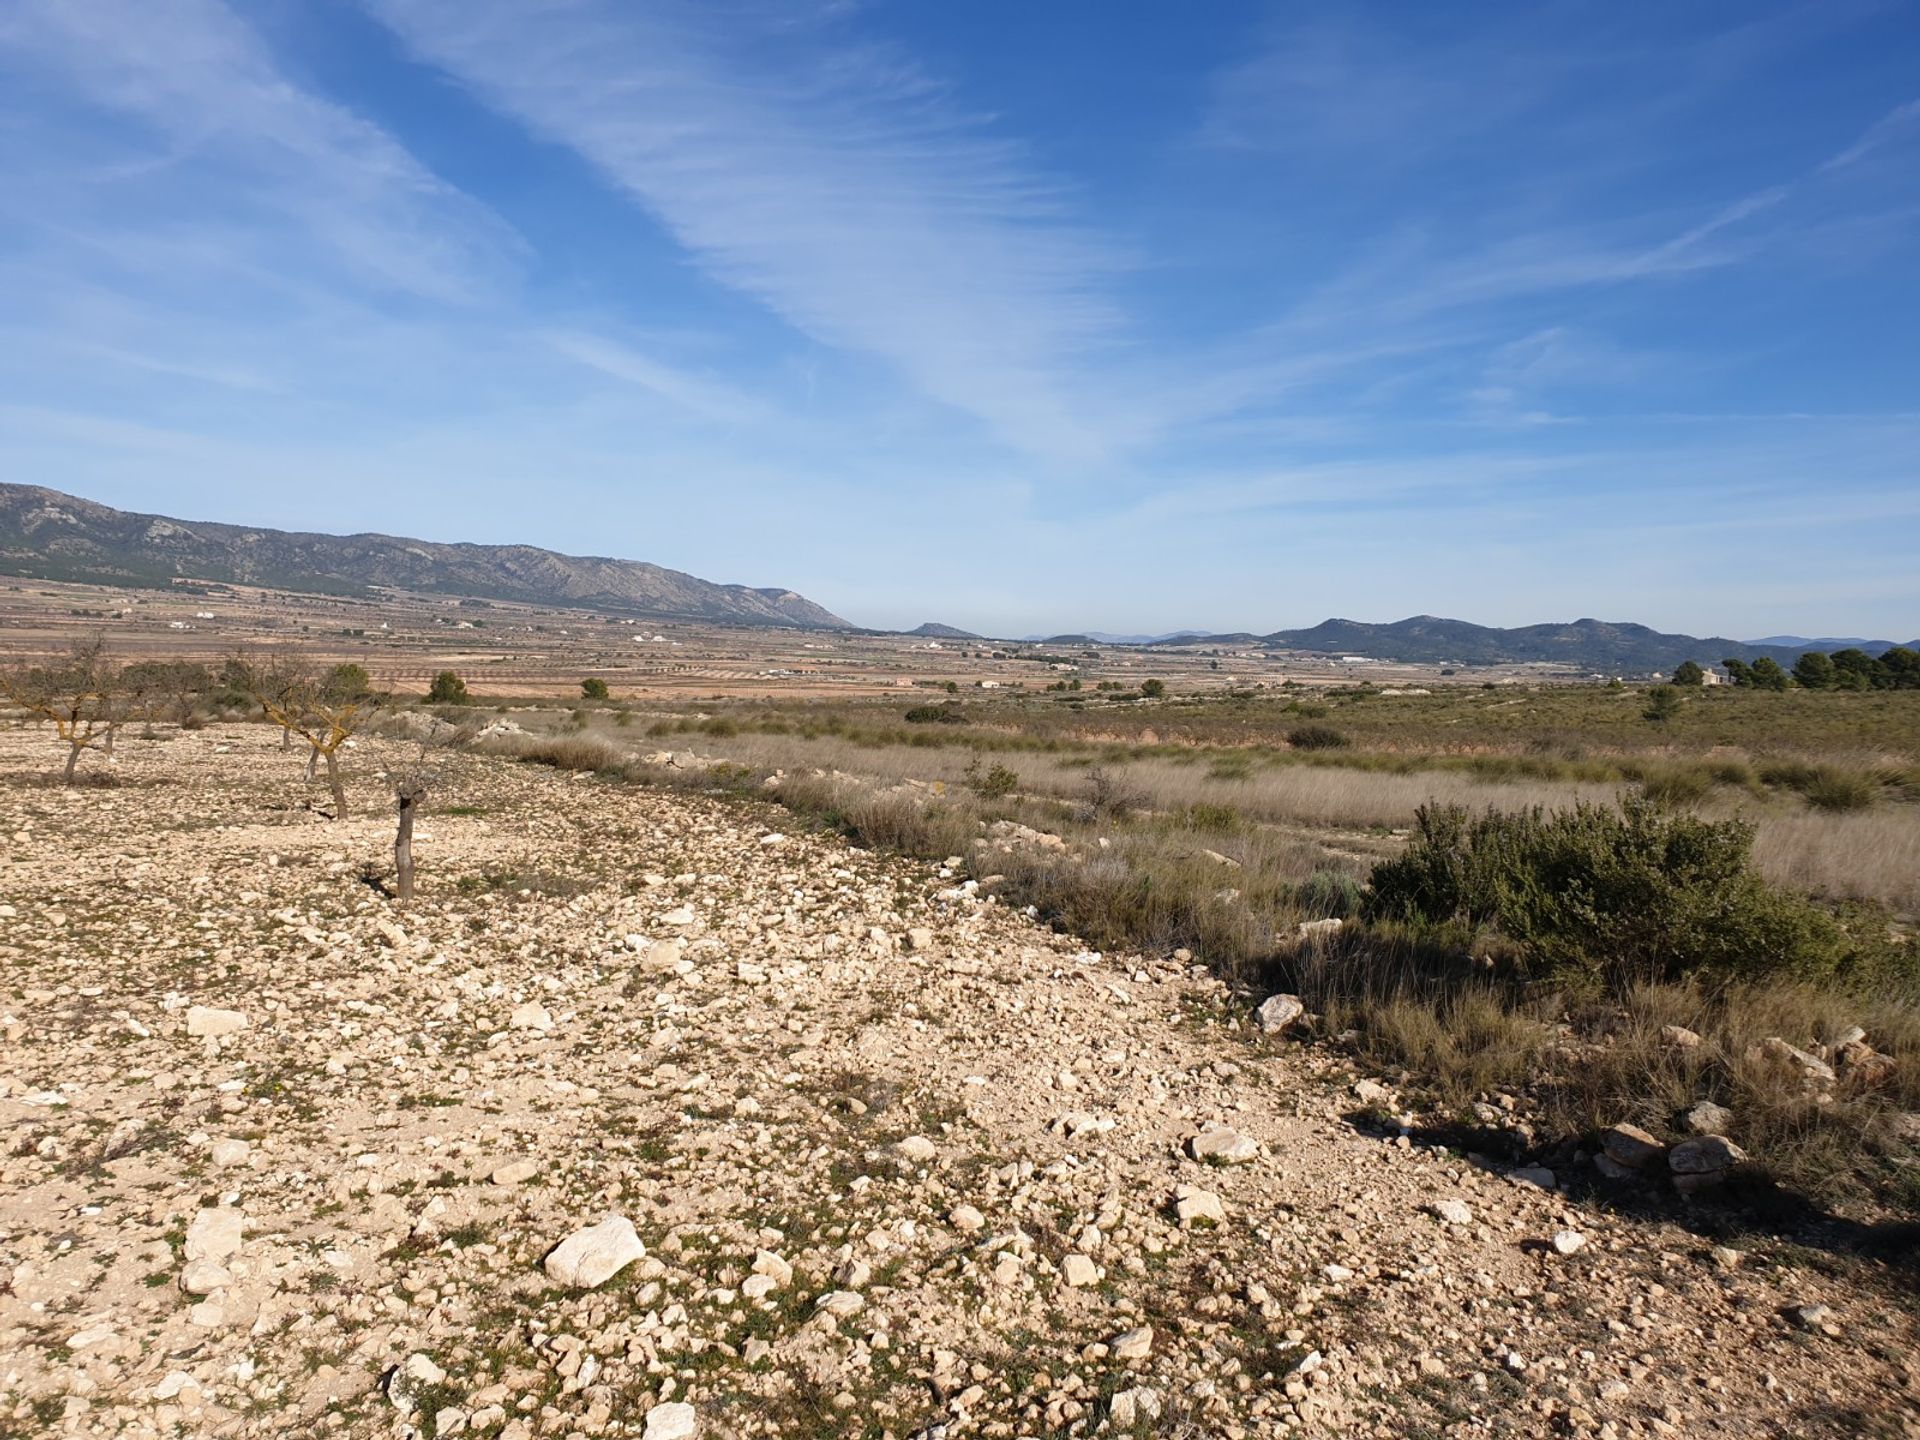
(1849, 669)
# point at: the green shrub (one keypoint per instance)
(593, 688)
(1203, 816)
(1317, 737)
(447, 689)
(996, 782)
(1626, 895)
(947, 714)
(1330, 893)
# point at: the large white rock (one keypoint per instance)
(204, 1020)
(1192, 1205)
(530, 1016)
(215, 1233)
(675, 1420)
(1133, 1345)
(1277, 1012)
(596, 1254)
(1223, 1147)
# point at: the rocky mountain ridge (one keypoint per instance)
(54, 536)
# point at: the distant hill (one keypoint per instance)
(1104, 637)
(1589, 645)
(52, 536)
(932, 630)
(1828, 643)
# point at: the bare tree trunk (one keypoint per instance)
(286, 742)
(409, 797)
(335, 784)
(313, 762)
(73, 759)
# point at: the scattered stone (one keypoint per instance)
(1196, 1206)
(1538, 1176)
(1277, 1012)
(1812, 1070)
(514, 1172)
(203, 1277)
(1631, 1146)
(228, 1153)
(673, 1420)
(916, 1148)
(1133, 1345)
(1454, 1212)
(1131, 1408)
(1706, 1118)
(1223, 1147)
(409, 1380)
(1818, 1318)
(215, 1233)
(594, 1255)
(530, 1016)
(841, 1303)
(1079, 1270)
(966, 1219)
(1569, 1242)
(203, 1020)
(1703, 1162)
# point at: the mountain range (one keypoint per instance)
(1591, 645)
(52, 536)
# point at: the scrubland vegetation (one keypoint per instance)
(1536, 885)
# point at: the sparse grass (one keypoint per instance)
(1453, 1009)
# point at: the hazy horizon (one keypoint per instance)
(1024, 320)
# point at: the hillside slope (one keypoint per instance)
(49, 535)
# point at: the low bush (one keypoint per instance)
(995, 782)
(1623, 895)
(1317, 737)
(1840, 790)
(947, 714)
(1331, 894)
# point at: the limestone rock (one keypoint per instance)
(1706, 1118)
(594, 1255)
(1631, 1146)
(1277, 1012)
(530, 1016)
(1079, 1270)
(204, 1020)
(674, 1420)
(1133, 1345)
(1194, 1205)
(1223, 1147)
(215, 1233)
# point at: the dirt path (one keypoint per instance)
(901, 1163)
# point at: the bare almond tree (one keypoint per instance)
(326, 710)
(81, 696)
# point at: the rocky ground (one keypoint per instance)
(858, 1151)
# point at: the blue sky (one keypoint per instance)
(1019, 317)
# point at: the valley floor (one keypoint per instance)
(902, 1163)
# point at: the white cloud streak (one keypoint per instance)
(838, 187)
(207, 89)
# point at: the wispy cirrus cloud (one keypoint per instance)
(833, 182)
(294, 172)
